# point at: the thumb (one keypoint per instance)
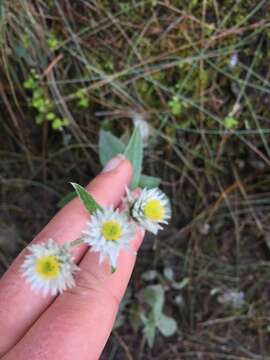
(19, 306)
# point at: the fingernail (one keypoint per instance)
(114, 163)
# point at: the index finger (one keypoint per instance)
(78, 323)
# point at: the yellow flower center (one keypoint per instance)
(48, 267)
(111, 230)
(154, 210)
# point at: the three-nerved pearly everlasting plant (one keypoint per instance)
(50, 268)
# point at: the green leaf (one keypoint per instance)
(181, 285)
(167, 325)
(154, 297)
(230, 122)
(149, 182)
(150, 333)
(57, 124)
(89, 202)
(149, 275)
(66, 199)
(169, 274)
(109, 146)
(176, 106)
(134, 153)
(21, 51)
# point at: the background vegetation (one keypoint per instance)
(197, 72)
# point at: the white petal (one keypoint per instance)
(67, 268)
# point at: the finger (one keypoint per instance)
(19, 305)
(78, 323)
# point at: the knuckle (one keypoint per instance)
(90, 286)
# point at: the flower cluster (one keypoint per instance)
(108, 232)
(50, 267)
(150, 209)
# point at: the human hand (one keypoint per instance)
(76, 324)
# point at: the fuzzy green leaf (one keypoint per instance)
(134, 153)
(167, 325)
(149, 182)
(109, 146)
(66, 199)
(150, 333)
(149, 275)
(154, 296)
(89, 202)
(181, 285)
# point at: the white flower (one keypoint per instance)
(151, 209)
(233, 61)
(49, 268)
(108, 231)
(232, 298)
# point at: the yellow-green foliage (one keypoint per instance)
(42, 103)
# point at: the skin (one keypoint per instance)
(77, 323)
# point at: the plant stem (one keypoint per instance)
(76, 242)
